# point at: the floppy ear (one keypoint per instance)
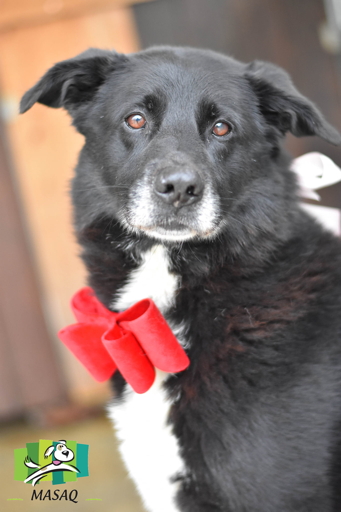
(73, 81)
(283, 106)
(48, 452)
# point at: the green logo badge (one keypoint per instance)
(54, 461)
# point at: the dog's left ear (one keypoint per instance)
(283, 106)
(74, 81)
(48, 451)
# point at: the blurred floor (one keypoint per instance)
(107, 481)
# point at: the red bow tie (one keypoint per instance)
(134, 341)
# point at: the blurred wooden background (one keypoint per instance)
(39, 267)
(34, 34)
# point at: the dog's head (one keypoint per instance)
(181, 143)
(61, 452)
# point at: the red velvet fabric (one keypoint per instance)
(134, 341)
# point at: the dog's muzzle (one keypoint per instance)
(173, 200)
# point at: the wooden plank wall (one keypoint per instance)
(18, 13)
(30, 375)
(44, 150)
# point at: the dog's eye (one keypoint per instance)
(136, 121)
(220, 129)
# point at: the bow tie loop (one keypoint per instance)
(131, 360)
(88, 309)
(147, 324)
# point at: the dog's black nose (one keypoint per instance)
(65, 452)
(179, 187)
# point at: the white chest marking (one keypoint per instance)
(148, 447)
(151, 280)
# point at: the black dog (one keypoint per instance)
(183, 193)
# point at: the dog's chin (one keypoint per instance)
(174, 232)
(170, 235)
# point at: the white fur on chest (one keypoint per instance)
(148, 447)
(152, 280)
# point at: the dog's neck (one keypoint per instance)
(112, 254)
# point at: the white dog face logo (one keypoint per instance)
(61, 452)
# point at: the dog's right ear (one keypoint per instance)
(73, 81)
(283, 106)
(48, 452)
